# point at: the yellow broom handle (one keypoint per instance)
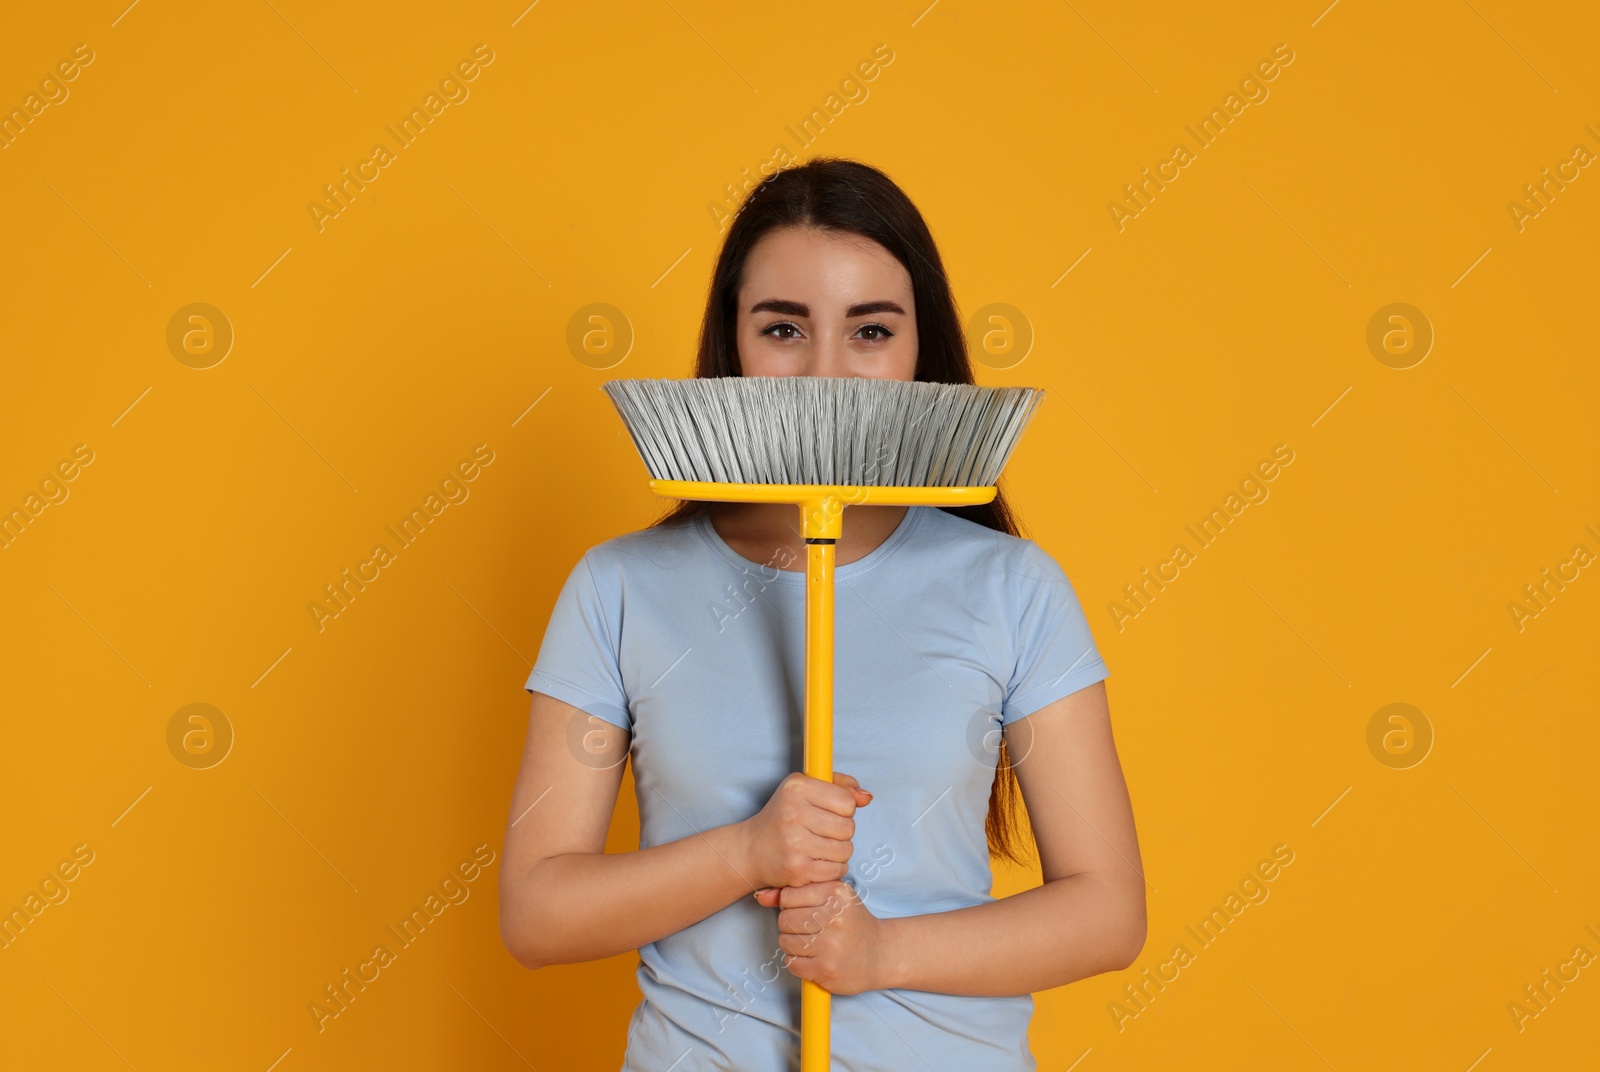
(819, 519)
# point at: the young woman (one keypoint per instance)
(965, 672)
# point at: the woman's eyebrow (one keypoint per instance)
(874, 307)
(794, 308)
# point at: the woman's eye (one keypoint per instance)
(882, 332)
(781, 326)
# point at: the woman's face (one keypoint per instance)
(822, 303)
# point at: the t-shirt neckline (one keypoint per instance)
(902, 531)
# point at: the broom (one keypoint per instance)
(822, 443)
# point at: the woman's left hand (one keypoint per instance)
(831, 937)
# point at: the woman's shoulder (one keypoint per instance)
(987, 548)
(668, 546)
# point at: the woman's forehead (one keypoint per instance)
(831, 268)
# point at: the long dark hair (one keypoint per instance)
(846, 196)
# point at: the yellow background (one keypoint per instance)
(370, 356)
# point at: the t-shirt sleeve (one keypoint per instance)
(578, 657)
(1056, 653)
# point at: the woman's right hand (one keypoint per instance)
(803, 833)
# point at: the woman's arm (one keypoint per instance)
(563, 899)
(1089, 915)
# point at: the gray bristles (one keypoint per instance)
(823, 430)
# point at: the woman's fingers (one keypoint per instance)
(859, 797)
(837, 850)
(796, 900)
(803, 833)
(831, 825)
(810, 895)
(834, 797)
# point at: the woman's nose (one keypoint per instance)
(827, 358)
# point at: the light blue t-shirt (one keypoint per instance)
(943, 633)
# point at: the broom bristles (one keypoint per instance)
(823, 429)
